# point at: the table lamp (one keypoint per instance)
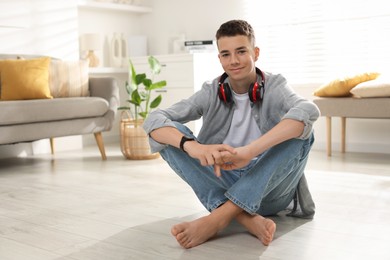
(91, 42)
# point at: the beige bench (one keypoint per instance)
(348, 107)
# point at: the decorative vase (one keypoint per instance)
(134, 140)
(116, 51)
(124, 52)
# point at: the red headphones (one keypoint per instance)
(255, 92)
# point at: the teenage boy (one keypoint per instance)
(249, 158)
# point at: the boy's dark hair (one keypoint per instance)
(234, 28)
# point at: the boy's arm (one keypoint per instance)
(283, 131)
(207, 154)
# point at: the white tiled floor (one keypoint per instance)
(75, 206)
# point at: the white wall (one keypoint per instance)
(106, 23)
(197, 20)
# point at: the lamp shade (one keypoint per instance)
(90, 41)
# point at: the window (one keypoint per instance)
(314, 41)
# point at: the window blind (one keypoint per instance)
(314, 41)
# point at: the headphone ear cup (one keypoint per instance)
(256, 92)
(225, 93)
(261, 92)
(252, 92)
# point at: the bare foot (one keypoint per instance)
(194, 233)
(191, 234)
(262, 228)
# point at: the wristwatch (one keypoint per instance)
(183, 140)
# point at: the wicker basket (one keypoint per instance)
(134, 140)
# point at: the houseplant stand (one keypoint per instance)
(134, 140)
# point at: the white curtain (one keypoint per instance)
(313, 41)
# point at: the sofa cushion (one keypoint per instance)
(341, 87)
(42, 110)
(25, 79)
(69, 78)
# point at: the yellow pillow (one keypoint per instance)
(341, 87)
(25, 79)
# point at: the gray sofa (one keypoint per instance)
(30, 120)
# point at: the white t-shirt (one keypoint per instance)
(243, 129)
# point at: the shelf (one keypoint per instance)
(108, 70)
(94, 5)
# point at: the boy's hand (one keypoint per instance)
(241, 158)
(211, 154)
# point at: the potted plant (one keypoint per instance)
(140, 89)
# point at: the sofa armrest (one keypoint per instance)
(107, 88)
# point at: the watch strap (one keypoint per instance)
(183, 140)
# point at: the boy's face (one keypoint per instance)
(238, 56)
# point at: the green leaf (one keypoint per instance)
(139, 78)
(128, 88)
(136, 98)
(147, 82)
(157, 85)
(143, 114)
(135, 103)
(156, 102)
(132, 77)
(154, 65)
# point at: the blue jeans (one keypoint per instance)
(265, 186)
